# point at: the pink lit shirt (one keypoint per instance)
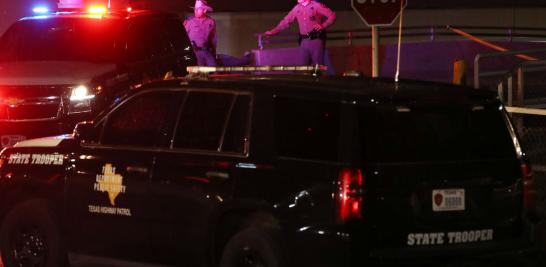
(202, 31)
(307, 16)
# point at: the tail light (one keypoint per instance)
(350, 194)
(529, 193)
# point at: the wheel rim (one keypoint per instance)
(29, 246)
(250, 257)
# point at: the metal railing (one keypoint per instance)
(428, 33)
(516, 82)
(479, 74)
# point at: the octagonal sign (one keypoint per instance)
(378, 12)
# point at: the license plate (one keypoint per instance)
(11, 139)
(448, 200)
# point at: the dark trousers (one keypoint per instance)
(205, 58)
(314, 50)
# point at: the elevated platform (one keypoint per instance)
(431, 61)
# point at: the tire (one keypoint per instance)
(254, 247)
(30, 237)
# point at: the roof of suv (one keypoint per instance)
(365, 86)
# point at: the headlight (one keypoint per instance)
(80, 99)
(81, 93)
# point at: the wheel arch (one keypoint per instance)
(231, 221)
(14, 195)
(40, 215)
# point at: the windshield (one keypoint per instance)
(435, 133)
(62, 39)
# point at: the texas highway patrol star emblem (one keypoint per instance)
(110, 182)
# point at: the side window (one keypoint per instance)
(175, 35)
(144, 39)
(144, 120)
(307, 129)
(94, 138)
(136, 40)
(213, 121)
(237, 128)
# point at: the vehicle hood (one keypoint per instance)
(52, 141)
(51, 72)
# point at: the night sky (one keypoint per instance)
(284, 5)
(275, 5)
(280, 5)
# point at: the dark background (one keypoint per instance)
(283, 5)
(24, 7)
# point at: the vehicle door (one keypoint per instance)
(108, 190)
(192, 181)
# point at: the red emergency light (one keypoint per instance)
(97, 10)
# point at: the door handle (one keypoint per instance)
(137, 169)
(215, 174)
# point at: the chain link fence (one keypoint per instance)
(521, 88)
(531, 127)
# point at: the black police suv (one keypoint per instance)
(273, 171)
(62, 68)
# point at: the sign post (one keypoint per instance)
(375, 51)
(377, 13)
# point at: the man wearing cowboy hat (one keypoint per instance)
(309, 14)
(202, 33)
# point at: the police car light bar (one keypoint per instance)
(304, 68)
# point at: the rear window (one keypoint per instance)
(434, 133)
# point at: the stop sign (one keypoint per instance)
(378, 12)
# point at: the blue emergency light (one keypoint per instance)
(40, 10)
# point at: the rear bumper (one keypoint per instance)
(509, 249)
(332, 246)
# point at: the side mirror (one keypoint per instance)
(83, 132)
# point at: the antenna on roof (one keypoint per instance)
(397, 75)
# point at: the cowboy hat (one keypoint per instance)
(202, 4)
